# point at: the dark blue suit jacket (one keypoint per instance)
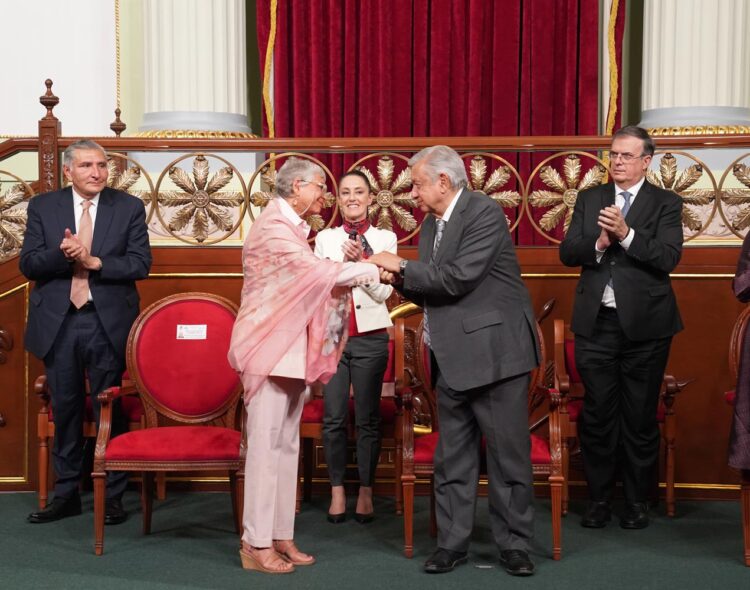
(120, 241)
(646, 305)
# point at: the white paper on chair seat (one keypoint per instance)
(191, 331)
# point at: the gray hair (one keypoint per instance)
(295, 169)
(440, 159)
(638, 133)
(84, 144)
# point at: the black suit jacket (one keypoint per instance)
(120, 240)
(482, 326)
(646, 304)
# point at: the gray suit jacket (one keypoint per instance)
(482, 325)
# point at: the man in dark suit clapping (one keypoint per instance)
(85, 246)
(627, 237)
(481, 331)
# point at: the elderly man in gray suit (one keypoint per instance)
(481, 331)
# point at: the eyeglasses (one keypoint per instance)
(626, 157)
(321, 185)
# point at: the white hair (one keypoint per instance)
(295, 169)
(440, 159)
(83, 144)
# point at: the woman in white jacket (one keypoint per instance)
(366, 354)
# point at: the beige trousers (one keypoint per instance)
(273, 417)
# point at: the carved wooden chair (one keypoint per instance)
(45, 428)
(735, 350)
(177, 358)
(420, 430)
(568, 382)
(311, 428)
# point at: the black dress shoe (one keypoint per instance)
(336, 518)
(364, 517)
(114, 513)
(516, 562)
(636, 516)
(598, 514)
(444, 560)
(57, 509)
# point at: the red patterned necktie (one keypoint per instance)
(79, 286)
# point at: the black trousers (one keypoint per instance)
(81, 349)
(618, 428)
(499, 411)
(362, 366)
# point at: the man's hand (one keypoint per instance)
(611, 219)
(75, 251)
(71, 246)
(389, 278)
(604, 241)
(352, 250)
(386, 261)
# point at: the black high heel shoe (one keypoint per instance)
(336, 518)
(364, 517)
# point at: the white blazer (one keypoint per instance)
(369, 300)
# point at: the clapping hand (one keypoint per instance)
(72, 247)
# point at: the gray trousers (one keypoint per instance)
(362, 365)
(498, 411)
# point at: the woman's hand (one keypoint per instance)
(352, 250)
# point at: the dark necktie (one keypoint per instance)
(439, 228)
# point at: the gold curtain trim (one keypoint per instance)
(613, 70)
(267, 71)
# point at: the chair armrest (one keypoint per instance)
(41, 388)
(671, 388)
(112, 393)
(106, 398)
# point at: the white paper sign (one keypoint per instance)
(191, 332)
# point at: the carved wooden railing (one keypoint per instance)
(208, 194)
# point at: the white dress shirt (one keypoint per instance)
(608, 297)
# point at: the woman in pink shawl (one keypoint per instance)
(290, 332)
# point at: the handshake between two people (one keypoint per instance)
(388, 264)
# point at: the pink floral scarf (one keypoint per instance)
(286, 290)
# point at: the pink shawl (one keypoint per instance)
(286, 290)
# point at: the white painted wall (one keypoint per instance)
(73, 43)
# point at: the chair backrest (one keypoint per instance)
(417, 363)
(737, 339)
(177, 356)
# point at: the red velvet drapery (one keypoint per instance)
(433, 68)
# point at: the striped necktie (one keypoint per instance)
(439, 228)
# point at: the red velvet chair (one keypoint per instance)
(735, 350)
(177, 359)
(568, 383)
(311, 430)
(420, 431)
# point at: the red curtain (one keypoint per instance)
(433, 68)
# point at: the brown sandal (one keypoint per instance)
(251, 560)
(288, 550)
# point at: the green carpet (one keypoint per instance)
(193, 545)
